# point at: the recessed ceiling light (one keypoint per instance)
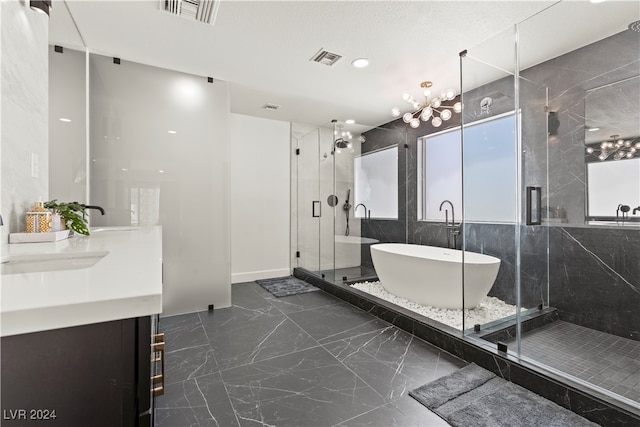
(172, 131)
(124, 169)
(592, 129)
(160, 171)
(349, 121)
(597, 1)
(63, 119)
(360, 62)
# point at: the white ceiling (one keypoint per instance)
(262, 48)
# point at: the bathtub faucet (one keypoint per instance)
(367, 214)
(452, 230)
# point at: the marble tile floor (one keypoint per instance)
(605, 360)
(303, 360)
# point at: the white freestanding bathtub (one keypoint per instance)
(432, 276)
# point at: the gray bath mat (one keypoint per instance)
(473, 396)
(285, 286)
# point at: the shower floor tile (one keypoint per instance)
(605, 360)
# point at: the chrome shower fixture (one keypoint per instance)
(340, 144)
(624, 209)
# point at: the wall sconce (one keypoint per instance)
(43, 6)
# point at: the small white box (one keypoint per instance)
(52, 236)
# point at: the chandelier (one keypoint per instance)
(615, 149)
(430, 108)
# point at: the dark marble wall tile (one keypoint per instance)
(609, 60)
(595, 278)
(498, 240)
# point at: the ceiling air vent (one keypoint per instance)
(199, 10)
(326, 57)
(270, 107)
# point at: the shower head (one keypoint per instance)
(635, 26)
(341, 143)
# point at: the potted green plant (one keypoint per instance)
(73, 215)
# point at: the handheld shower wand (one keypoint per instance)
(347, 208)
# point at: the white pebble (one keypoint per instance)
(489, 309)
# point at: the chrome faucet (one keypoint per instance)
(367, 213)
(453, 229)
(446, 213)
(95, 207)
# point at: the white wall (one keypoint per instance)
(260, 159)
(23, 111)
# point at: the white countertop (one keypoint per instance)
(125, 283)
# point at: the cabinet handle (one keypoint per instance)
(157, 350)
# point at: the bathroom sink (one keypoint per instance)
(22, 264)
(114, 228)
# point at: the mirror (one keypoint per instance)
(612, 151)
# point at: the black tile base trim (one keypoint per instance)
(589, 403)
(507, 330)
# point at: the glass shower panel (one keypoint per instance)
(315, 215)
(573, 279)
(490, 185)
(359, 175)
(588, 294)
(158, 156)
(381, 190)
(347, 234)
(326, 185)
(309, 203)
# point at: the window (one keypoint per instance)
(376, 183)
(612, 183)
(489, 172)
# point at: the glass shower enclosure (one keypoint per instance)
(347, 183)
(569, 253)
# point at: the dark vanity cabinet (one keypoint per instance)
(91, 375)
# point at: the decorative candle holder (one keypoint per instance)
(38, 219)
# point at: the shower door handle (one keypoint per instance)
(315, 208)
(534, 208)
